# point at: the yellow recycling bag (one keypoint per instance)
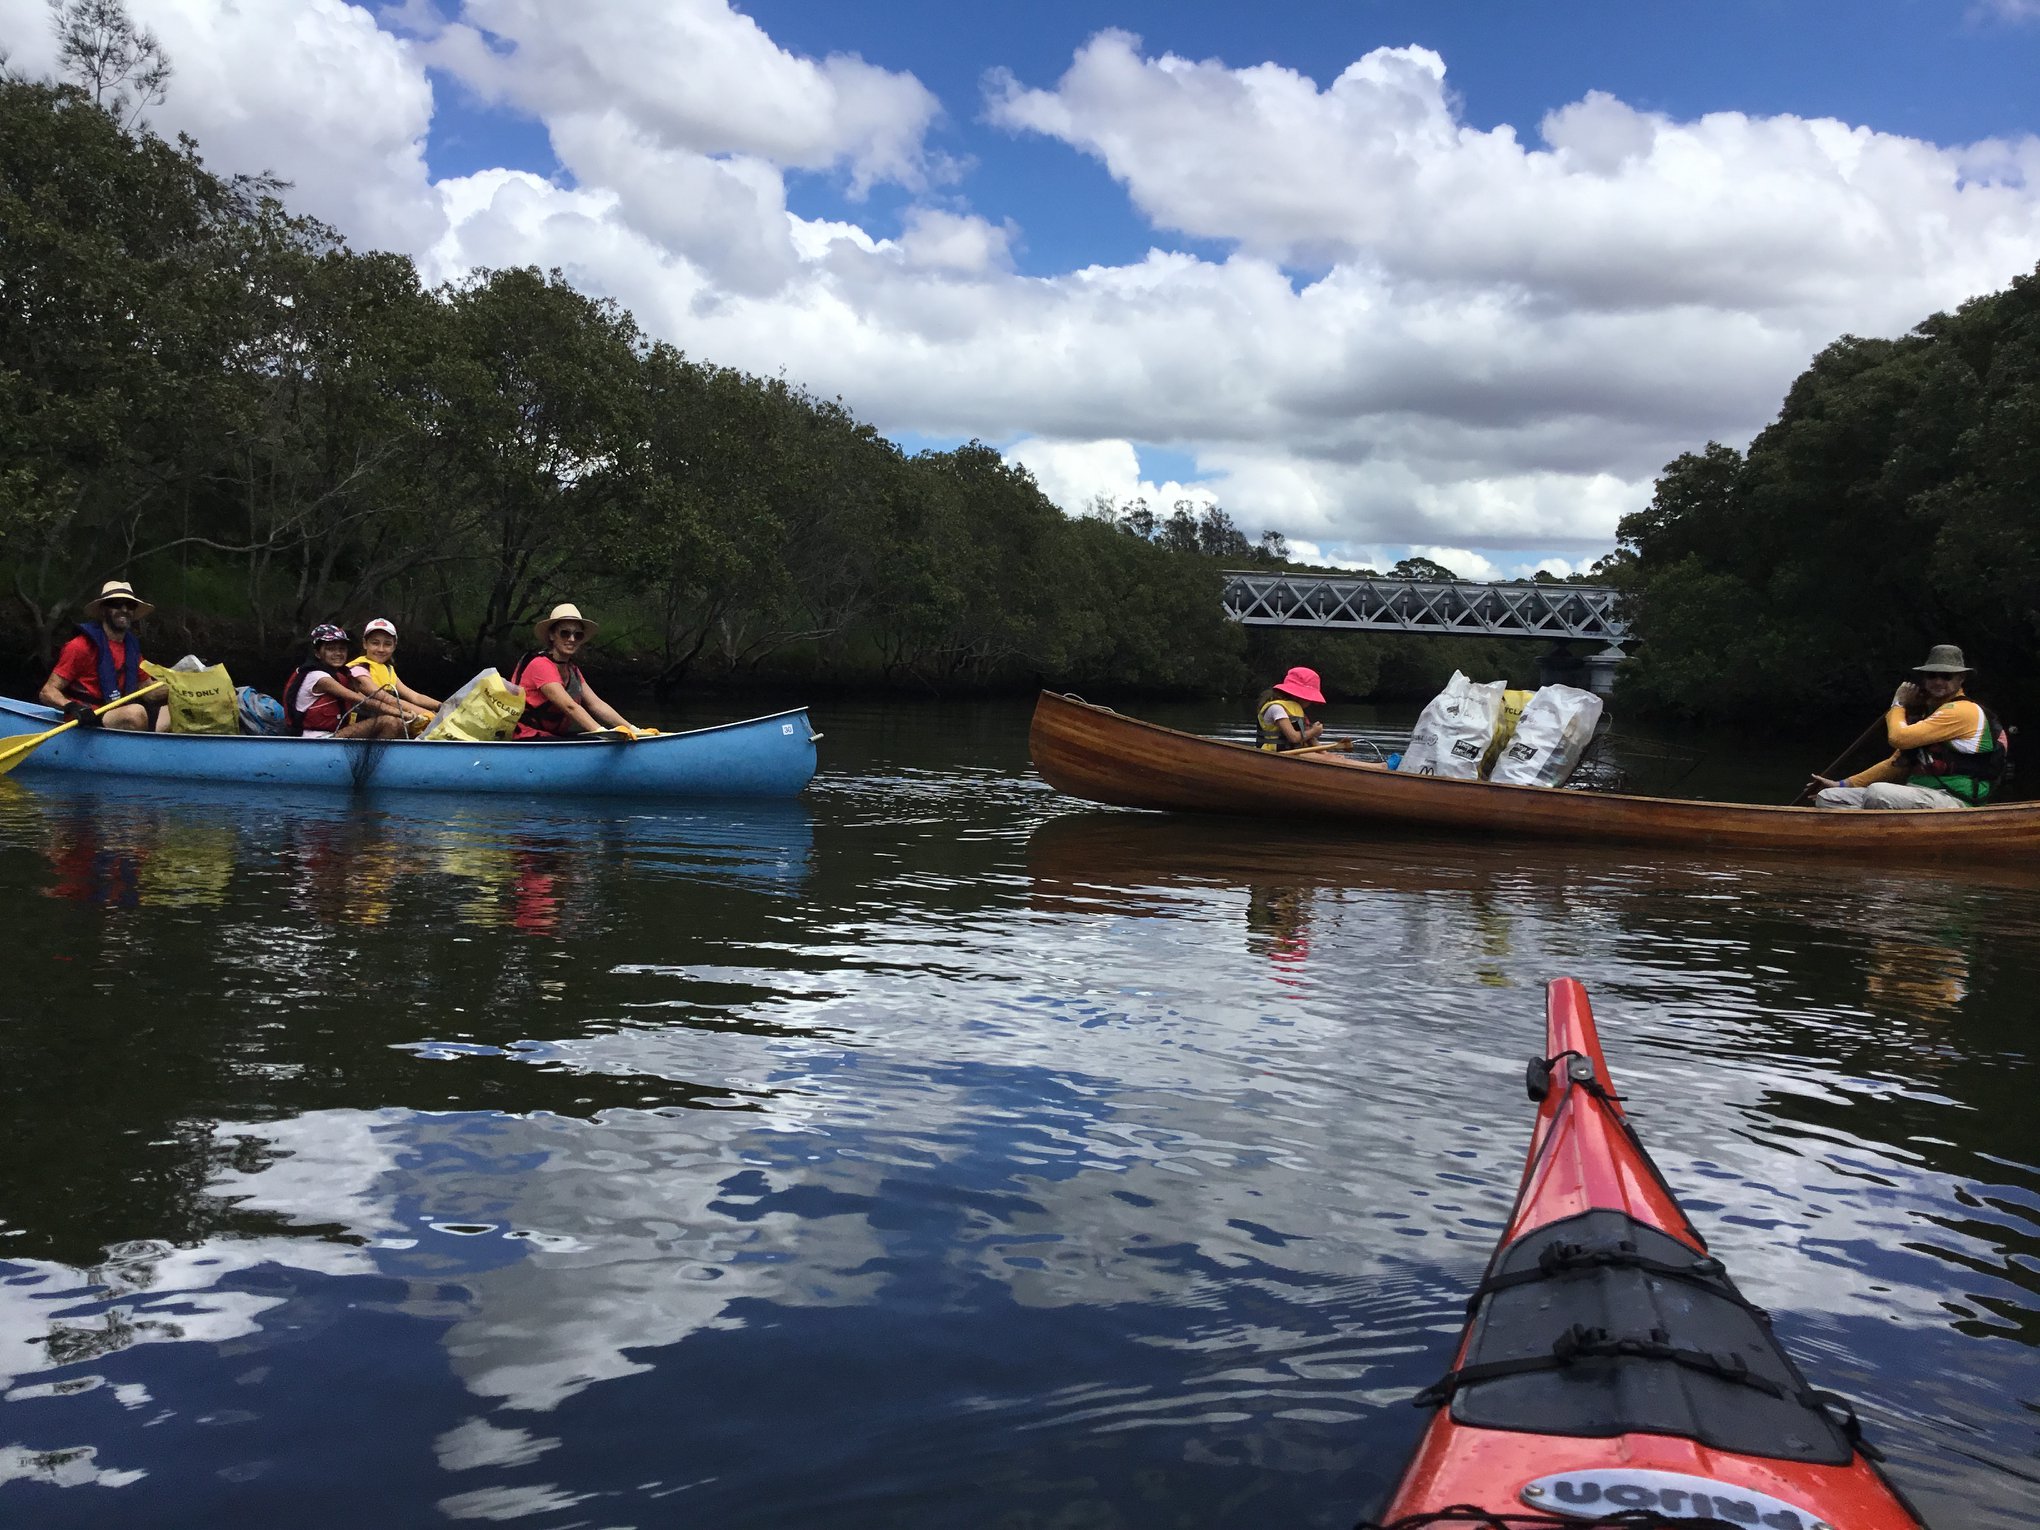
(483, 711)
(202, 698)
(1513, 703)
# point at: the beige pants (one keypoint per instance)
(1886, 794)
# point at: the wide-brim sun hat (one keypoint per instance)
(1943, 659)
(379, 624)
(1302, 684)
(116, 589)
(564, 612)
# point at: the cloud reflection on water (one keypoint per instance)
(1186, 1139)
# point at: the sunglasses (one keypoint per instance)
(570, 632)
(118, 605)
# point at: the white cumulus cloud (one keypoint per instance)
(694, 75)
(311, 90)
(1413, 332)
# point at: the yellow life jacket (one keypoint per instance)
(1271, 739)
(381, 677)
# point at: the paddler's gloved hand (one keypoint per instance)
(1908, 696)
(82, 715)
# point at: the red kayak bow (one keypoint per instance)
(1611, 1373)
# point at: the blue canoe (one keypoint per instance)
(762, 757)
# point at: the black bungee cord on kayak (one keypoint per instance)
(1585, 1300)
(1466, 1516)
(1559, 1258)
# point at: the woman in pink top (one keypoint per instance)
(558, 700)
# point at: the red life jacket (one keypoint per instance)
(543, 718)
(326, 714)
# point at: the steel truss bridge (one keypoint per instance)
(1354, 604)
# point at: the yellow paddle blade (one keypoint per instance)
(16, 750)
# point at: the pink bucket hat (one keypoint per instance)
(1302, 684)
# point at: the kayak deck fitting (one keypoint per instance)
(1611, 1373)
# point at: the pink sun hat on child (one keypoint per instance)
(1302, 684)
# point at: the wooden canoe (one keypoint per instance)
(1096, 753)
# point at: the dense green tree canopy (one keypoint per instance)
(1893, 504)
(266, 429)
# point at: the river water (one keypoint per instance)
(933, 1151)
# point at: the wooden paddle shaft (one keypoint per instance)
(1843, 758)
(1862, 739)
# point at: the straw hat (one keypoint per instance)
(1302, 684)
(564, 612)
(1943, 659)
(116, 589)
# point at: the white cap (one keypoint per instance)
(380, 624)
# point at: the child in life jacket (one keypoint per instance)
(1280, 718)
(373, 669)
(325, 699)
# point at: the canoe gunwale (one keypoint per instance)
(36, 712)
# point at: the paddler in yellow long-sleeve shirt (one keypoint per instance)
(1950, 758)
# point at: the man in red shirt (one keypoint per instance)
(102, 662)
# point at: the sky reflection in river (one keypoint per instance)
(929, 1152)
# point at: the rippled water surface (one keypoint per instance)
(933, 1151)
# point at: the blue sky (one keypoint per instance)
(1924, 68)
(1454, 278)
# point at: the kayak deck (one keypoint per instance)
(1610, 1367)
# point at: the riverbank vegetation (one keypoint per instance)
(263, 428)
(1893, 504)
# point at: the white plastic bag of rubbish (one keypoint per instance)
(1451, 736)
(1552, 734)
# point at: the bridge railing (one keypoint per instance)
(1357, 604)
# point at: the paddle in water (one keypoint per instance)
(17, 750)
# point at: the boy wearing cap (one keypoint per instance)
(103, 662)
(374, 669)
(1950, 758)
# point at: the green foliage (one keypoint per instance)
(202, 392)
(1894, 503)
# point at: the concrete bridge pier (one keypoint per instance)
(1559, 665)
(1593, 672)
(1601, 669)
